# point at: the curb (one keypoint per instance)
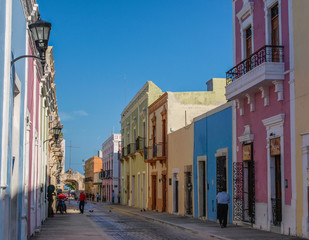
(213, 236)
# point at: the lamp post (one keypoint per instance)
(40, 31)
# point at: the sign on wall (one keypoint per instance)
(247, 152)
(275, 146)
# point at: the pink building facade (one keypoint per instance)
(260, 83)
(111, 169)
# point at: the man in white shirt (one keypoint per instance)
(223, 200)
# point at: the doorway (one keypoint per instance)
(248, 168)
(164, 192)
(188, 193)
(175, 193)
(201, 189)
(138, 189)
(276, 192)
(128, 189)
(133, 191)
(154, 191)
(144, 187)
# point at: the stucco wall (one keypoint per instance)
(301, 74)
(180, 154)
(213, 133)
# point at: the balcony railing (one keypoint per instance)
(140, 144)
(156, 150)
(267, 53)
(131, 148)
(107, 174)
(124, 151)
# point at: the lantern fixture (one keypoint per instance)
(40, 31)
(60, 158)
(57, 131)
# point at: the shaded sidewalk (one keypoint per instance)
(203, 227)
(70, 225)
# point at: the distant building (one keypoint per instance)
(111, 168)
(92, 166)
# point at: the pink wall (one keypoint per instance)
(254, 119)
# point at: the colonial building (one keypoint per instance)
(111, 168)
(262, 83)
(134, 125)
(92, 165)
(29, 155)
(168, 113)
(299, 37)
(213, 157)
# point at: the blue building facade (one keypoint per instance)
(212, 160)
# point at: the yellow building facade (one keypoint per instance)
(134, 125)
(170, 112)
(300, 65)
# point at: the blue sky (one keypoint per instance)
(105, 51)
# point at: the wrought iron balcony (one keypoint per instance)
(140, 144)
(158, 150)
(131, 148)
(262, 69)
(265, 54)
(124, 152)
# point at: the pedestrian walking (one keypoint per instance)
(113, 196)
(98, 196)
(82, 200)
(223, 200)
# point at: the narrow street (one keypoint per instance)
(105, 221)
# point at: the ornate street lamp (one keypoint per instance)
(40, 31)
(57, 131)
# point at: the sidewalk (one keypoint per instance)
(69, 226)
(202, 227)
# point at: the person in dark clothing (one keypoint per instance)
(223, 200)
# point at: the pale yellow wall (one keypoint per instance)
(301, 74)
(132, 114)
(184, 106)
(180, 153)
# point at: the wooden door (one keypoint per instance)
(163, 193)
(154, 192)
(278, 189)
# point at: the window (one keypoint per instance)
(248, 41)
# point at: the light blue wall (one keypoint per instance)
(18, 49)
(2, 46)
(210, 134)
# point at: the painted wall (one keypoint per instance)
(132, 117)
(301, 73)
(261, 37)
(180, 153)
(212, 132)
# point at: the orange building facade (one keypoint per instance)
(92, 165)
